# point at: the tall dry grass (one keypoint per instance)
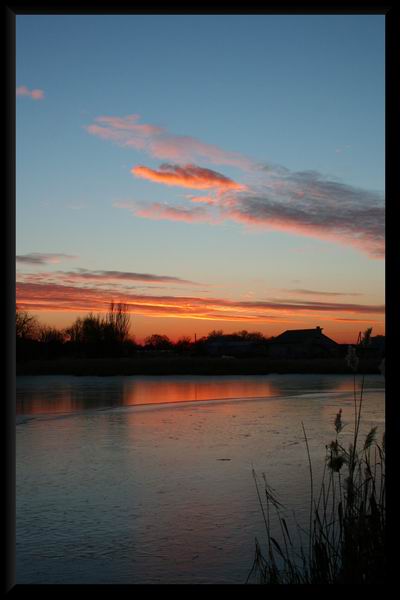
(345, 538)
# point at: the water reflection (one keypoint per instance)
(164, 493)
(62, 394)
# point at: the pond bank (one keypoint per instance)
(190, 365)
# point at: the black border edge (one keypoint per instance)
(392, 270)
(392, 264)
(9, 337)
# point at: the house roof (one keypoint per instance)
(299, 336)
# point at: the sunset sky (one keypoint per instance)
(213, 172)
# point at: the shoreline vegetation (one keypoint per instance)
(189, 365)
(345, 542)
(102, 345)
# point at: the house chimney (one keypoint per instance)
(319, 329)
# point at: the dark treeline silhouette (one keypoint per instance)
(107, 336)
(95, 336)
(91, 336)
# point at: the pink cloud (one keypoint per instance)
(203, 200)
(301, 203)
(158, 142)
(61, 297)
(190, 176)
(158, 211)
(36, 94)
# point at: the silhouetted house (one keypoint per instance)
(302, 343)
(342, 350)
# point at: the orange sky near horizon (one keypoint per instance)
(343, 332)
(179, 307)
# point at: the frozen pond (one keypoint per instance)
(149, 479)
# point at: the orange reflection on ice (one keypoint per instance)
(69, 395)
(72, 395)
(161, 391)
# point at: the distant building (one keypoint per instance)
(302, 343)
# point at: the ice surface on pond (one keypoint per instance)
(149, 479)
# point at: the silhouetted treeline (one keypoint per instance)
(95, 336)
(91, 336)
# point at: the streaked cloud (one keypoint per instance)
(42, 296)
(328, 306)
(99, 276)
(310, 204)
(165, 212)
(321, 293)
(325, 210)
(275, 198)
(159, 211)
(36, 94)
(38, 258)
(211, 201)
(159, 143)
(188, 176)
(369, 320)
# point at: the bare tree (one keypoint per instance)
(75, 332)
(48, 335)
(26, 325)
(118, 319)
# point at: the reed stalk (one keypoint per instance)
(345, 540)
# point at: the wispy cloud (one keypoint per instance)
(188, 176)
(159, 143)
(301, 203)
(331, 211)
(100, 276)
(369, 320)
(36, 94)
(210, 200)
(328, 306)
(55, 297)
(159, 211)
(321, 293)
(38, 258)
(47, 296)
(307, 204)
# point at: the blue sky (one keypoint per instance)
(288, 94)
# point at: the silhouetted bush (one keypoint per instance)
(158, 343)
(183, 346)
